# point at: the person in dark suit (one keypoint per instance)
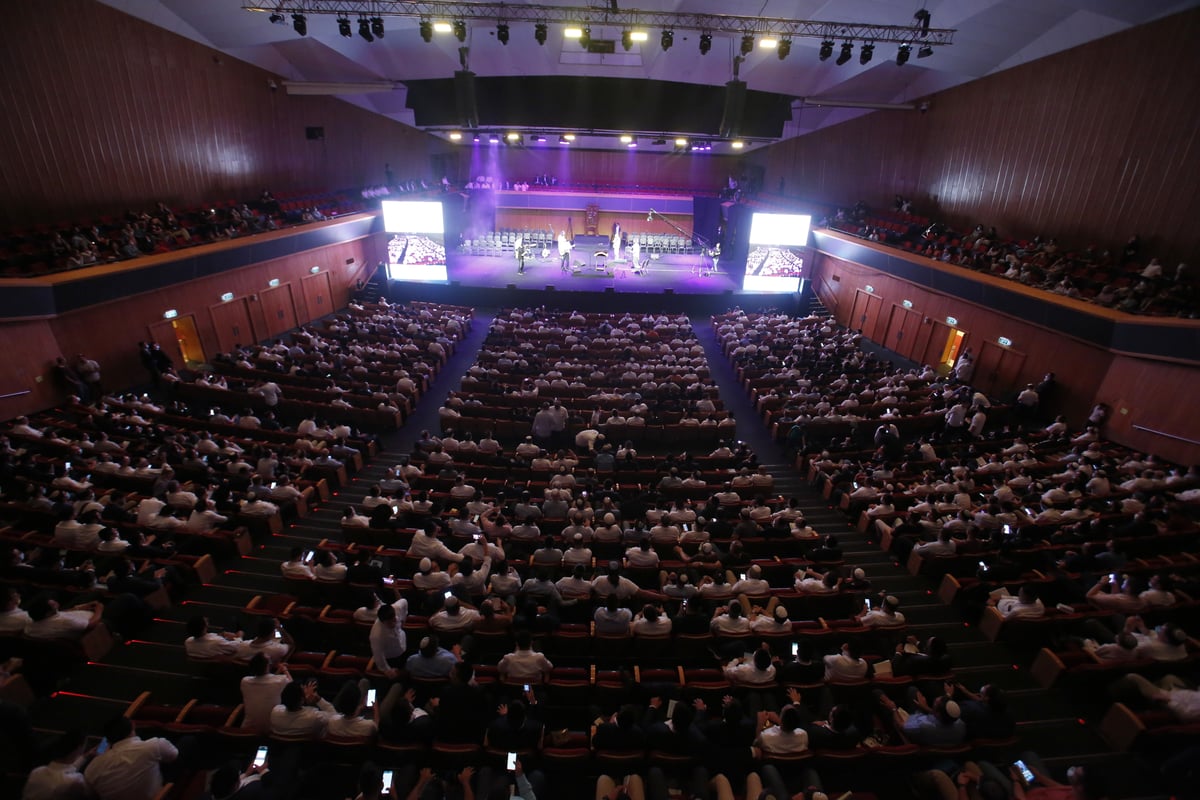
(621, 732)
(462, 708)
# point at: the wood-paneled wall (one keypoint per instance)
(105, 112)
(1089, 145)
(110, 332)
(1141, 391)
(682, 170)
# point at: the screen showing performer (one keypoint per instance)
(417, 249)
(777, 250)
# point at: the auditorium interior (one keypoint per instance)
(729, 403)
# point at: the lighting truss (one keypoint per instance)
(734, 24)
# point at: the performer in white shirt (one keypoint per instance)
(564, 251)
(616, 241)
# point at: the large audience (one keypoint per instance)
(584, 568)
(1127, 279)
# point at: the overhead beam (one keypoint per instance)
(573, 15)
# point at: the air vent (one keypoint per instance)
(602, 46)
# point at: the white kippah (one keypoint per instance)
(425, 565)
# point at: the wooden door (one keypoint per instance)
(1008, 377)
(934, 346)
(864, 316)
(318, 295)
(279, 310)
(987, 367)
(902, 328)
(163, 334)
(231, 322)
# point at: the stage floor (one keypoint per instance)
(680, 273)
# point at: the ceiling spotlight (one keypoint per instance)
(540, 139)
(681, 142)
(865, 52)
(442, 27)
(364, 29)
(585, 37)
(626, 138)
(455, 136)
(737, 145)
(922, 16)
(570, 137)
(924, 51)
(631, 144)
(276, 18)
(626, 39)
(902, 54)
(640, 36)
(785, 47)
(572, 33)
(377, 27)
(847, 52)
(300, 24)
(667, 39)
(826, 50)
(747, 43)
(705, 43)
(768, 43)
(460, 30)
(344, 27)
(539, 33)
(494, 138)
(513, 136)
(502, 32)
(563, 140)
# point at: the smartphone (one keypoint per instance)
(260, 758)
(102, 747)
(1007, 530)
(309, 555)
(67, 466)
(525, 688)
(370, 698)
(868, 604)
(396, 508)
(274, 484)
(478, 537)
(447, 594)
(741, 576)
(583, 494)
(510, 763)
(795, 649)
(982, 565)
(388, 778)
(1025, 771)
(671, 707)
(856, 484)
(1113, 578)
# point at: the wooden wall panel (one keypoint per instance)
(1089, 145)
(108, 112)
(231, 323)
(31, 349)
(602, 167)
(1153, 395)
(1080, 367)
(277, 309)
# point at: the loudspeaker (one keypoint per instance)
(314, 132)
(735, 107)
(464, 99)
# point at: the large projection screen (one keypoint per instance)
(776, 259)
(416, 250)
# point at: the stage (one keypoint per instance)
(683, 274)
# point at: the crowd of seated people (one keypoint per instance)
(1126, 280)
(773, 261)
(366, 366)
(1059, 538)
(109, 239)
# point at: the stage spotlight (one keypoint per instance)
(276, 18)
(826, 50)
(563, 140)
(377, 27)
(784, 49)
(300, 24)
(902, 54)
(585, 37)
(540, 139)
(626, 138)
(442, 27)
(344, 27)
(666, 40)
(865, 53)
(747, 43)
(502, 32)
(737, 145)
(924, 51)
(847, 52)
(768, 43)
(705, 43)
(494, 138)
(539, 33)
(922, 16)
(460, 30)
(455, 136)
(627, 39)
(681, 142)
(570, 137)
(364, 29)
(572, 33)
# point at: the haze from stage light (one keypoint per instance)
(412, 216)
(784, 230)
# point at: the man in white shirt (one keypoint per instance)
(13, 618)
(454, 617)
(524, 664)
(61, 778)
(202, 643)
(847, 665)
(262, 690)
(48, 622)
(301, 712)
(1026, 605)
(129, 769)
(388, 639)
